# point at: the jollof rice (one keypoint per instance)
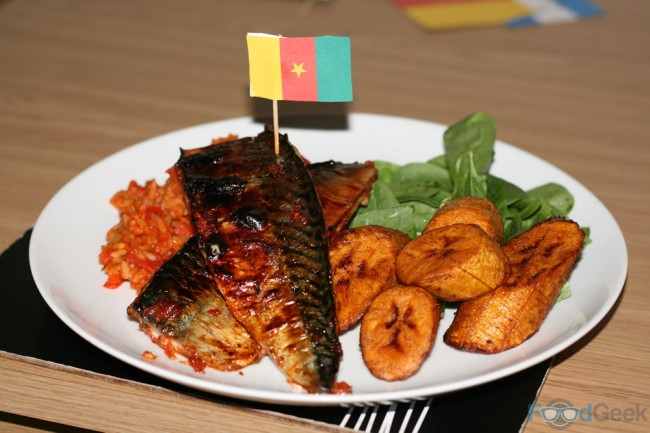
(154, 225)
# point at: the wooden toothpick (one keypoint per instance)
(276, 135)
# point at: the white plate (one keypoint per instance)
(68, 235)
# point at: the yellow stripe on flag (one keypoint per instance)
(264, 66)
(447, 16)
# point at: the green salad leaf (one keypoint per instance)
(469, 149)
(405, 197)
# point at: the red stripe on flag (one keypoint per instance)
(298, 67)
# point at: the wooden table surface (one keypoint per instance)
(80, 80)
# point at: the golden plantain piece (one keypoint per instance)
(398, 332)
(469, 210)
(542, 259)
(362, 260)
(455, 263)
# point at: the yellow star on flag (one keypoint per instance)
(298, 69)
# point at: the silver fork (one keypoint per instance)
(366, 418)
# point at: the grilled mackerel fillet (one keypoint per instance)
(182, 311)
(260, 225)
(341, 189)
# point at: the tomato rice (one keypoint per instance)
(154, 224)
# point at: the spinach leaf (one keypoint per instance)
(468, 181)
(386, 170)
(469, 143)
(406, 196)
(557, 197)
(385, 210)
(419, 179)
(398, 218)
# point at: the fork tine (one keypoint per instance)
(362, 417)
(407, 417)
(347, 416)
(423, 415)
(373, 416)
(388, 419)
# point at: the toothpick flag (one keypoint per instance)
(300, 69)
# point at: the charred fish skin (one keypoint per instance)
(181, 309)
(262, 230)
(341, 189)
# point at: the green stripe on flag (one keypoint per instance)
(334, 68)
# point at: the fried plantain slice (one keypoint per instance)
(455, 263)
(469, 210)
(363, 264)
(542, 259)
(398, 332)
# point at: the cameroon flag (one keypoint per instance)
(300, 69)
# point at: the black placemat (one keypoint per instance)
(28, 327)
